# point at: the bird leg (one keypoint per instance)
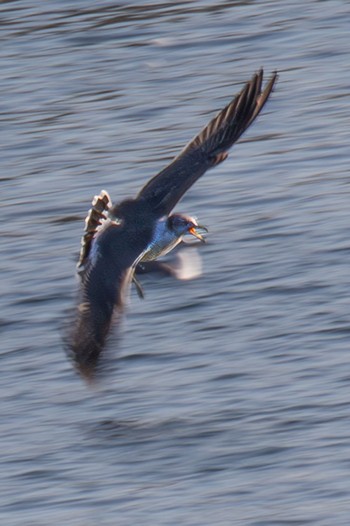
(139, 288)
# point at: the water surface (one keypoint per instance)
(228, 396)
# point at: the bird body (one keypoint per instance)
(168, 233)
(163, 241)
(117, 238)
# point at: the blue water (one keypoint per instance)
(228, 397)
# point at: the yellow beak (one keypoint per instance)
(194, 231)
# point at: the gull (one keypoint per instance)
(118, 238)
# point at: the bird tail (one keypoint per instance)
(95, 218)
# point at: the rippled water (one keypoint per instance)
(228, 398)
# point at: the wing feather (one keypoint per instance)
(104, 286)
(208, 148)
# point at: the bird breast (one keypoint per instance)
(163, 241)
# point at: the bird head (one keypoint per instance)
(182, 225)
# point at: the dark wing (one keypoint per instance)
(104, 285)
(207, 149)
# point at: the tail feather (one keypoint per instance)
(95, 218)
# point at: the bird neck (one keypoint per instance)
(164, 239)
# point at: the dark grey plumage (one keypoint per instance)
(121, 235)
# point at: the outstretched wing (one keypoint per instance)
(207, 149)
(104, 284)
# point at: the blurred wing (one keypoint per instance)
(103, 289)
(207, 149)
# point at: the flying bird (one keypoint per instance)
(119, 237)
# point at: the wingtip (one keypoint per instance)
(273, 79)
(274, 76)
(265, 92)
